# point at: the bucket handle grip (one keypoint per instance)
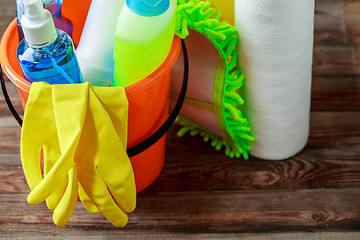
(148, 142)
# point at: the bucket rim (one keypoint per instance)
(11, 33)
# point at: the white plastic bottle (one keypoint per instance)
(96, 46)
(144, 34)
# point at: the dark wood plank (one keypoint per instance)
(192, 164)
(331, 160)
(9, 128)
(329, 23)
(334, 60)
(335, 93)
(11, 175)
(332, 153)
(336, 22)
(158, 213)
(311, 169)
(9, 135)
(334, 130)
(14, 97)
(352, 20)
(357, 60)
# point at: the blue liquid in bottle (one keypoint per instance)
(55, 63)
(54, 7)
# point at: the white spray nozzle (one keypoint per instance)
(37, 24)
(33, 10)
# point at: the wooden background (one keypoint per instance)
(200, 191)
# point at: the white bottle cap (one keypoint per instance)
(37, 24)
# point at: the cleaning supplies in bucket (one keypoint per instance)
(103, 186)
(54, 6)
(144, 33)
(46, 54)
(84, 153)
(96, 46)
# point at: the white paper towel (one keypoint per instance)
(276, 43)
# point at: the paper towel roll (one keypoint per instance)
(276, 43)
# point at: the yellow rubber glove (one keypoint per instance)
(40, 131)
(105, 176)
(104, 169)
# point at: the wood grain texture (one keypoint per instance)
(341, 93)
(201, 194)
(200, 212)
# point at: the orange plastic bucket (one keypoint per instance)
(148, 101)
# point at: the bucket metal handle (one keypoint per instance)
(148, 142)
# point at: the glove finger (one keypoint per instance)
(67, 204)
(51, 155)
(57, 175)
(30, 160)
(97, 191)
(86, 201)
(119, 179)
(37, 129)
(53, 200)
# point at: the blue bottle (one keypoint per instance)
(54, 6)
(46, 53)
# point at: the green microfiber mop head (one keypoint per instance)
(201, 17)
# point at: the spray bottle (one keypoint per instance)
(46, 53)
(54, 6)
(144, 33)
(96, 46)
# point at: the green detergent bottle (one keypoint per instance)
(144, 34)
